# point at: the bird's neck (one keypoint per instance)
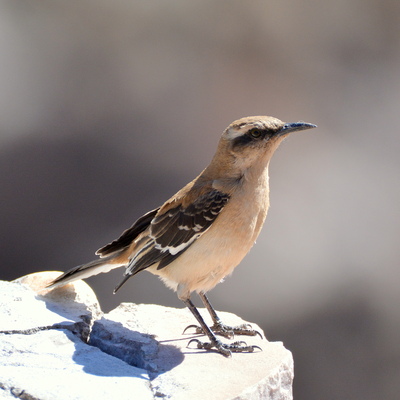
(256, 178)
(230, 178)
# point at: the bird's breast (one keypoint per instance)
(223, 246)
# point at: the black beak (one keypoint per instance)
(294, 126)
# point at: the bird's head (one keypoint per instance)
(253, 140)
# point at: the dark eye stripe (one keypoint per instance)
(242, 140)
(248, 137)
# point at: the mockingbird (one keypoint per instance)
(198, 236)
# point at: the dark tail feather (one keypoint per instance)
(84, 271)
(126, 277)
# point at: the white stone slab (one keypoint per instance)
(136, 351)
(189, 373)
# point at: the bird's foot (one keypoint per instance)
(230, 331)
(227, 331)
(224, 348)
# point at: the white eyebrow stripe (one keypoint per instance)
(233, 134)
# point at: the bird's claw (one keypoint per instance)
(198, 330)
(223, 348)
(226, 331)
(244, 329)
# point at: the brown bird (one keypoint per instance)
(198, 236)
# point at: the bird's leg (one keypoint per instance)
(214, 343)
(220, 328)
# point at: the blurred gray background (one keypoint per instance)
(107, 108)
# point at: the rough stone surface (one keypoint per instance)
(59, 345)
(43, 350)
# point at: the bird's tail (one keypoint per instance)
(84, 271)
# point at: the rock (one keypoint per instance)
(189, 372)
(72, 307)
(59, 345)
(55, 364)
(43, 347)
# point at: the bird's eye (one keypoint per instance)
(255, 133)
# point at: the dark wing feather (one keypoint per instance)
(129, 235)
(184, 225)
(172, 232)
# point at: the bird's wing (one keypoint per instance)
(129, 235)
(174, 229)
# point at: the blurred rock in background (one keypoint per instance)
(108, 108)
